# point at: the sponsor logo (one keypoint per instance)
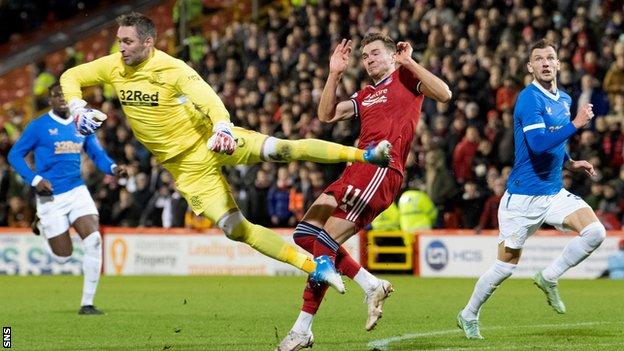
(119, 253)
(137, 98)
(375, 98)
(436, 255)
(553, 129)
(67, 147)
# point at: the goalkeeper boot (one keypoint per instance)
(375, 299)
(470, 327)
(296, 341)
(325, 272)
(379, 154)
(89, 310)
(551, 291)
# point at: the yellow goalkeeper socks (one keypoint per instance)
(316, 150)
(271, 244)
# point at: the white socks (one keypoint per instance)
(91, 265)
(366, 280)
(303, 325)
(487, 283)
(576, 251)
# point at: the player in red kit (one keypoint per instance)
(388, 109)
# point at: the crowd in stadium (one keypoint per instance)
(270, 74)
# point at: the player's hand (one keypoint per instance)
(404, 52)
(584, 116)
(88, 120)
(222, 140)
(120, 171)
(44, 188)
(582, 166)
(339, 60)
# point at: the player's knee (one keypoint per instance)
(594, 234)
(62, 254)
(504, 270)
(235, 226)
(277, 150)
(93, 243)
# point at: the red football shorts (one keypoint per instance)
(363, 192)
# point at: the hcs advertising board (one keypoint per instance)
(471, 255)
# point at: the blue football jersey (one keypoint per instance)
(534, 174)
(57, 146)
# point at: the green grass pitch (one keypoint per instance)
(254, 313)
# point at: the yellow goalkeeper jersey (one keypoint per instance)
(165, 101)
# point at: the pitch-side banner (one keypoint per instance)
(193, 254)
(471, 255)
(26, 254)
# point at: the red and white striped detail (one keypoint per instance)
(367, 194)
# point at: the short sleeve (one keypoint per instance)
(408, 80)
(529, 112)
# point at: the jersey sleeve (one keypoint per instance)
(529, 113)
(356, 100)
(88, 74)
(95, 152)
(408, 79)
(25, 144)
(203, 97)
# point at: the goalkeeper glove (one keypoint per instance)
(222, 140)
(87, 120)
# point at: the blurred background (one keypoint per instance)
(268, 62)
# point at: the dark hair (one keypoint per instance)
(144, 26)
(542, 44)
(374, 36)
(53, 86)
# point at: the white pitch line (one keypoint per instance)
(382, 344)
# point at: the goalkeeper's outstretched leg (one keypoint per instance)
(321, 151)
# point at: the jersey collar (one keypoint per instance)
(546, 92)
(59, 119)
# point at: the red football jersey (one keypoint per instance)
(390, 110)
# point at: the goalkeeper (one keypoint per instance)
(181, 120)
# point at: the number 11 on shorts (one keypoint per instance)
(351, 201)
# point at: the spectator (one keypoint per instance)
(464, 153)
(489, 216)
(278, 200)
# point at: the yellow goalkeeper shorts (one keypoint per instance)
(197, 172)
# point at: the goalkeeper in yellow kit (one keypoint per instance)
(176, 115)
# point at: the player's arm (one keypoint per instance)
(578, 165)
(25, 144)
(534, 128)
(87, 74)
(99, 156)
(429, 85)
(74, 79)
(328, 110)
(206, 100)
